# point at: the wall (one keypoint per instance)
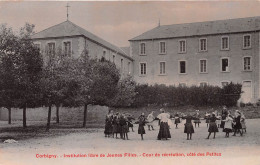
(95, 51)
(214, 76)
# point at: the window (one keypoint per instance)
(203, 44)
(224, 65)
(247, 63)
(182, 46)
(182, 67)
(224, 83)
(162, 68)
(142, 69)
(203, 84)
(114, 58)
(51, 48)
(224, 43)
(67, 47)
(142, 49)
(128, 67)
(203, 66)
(247, 41)
(162, 47)
(122, 65)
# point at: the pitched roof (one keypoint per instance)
(201, 28)
(67, 28)
(126, 50)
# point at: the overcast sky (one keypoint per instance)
(117, 22)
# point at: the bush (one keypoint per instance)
(162, 95)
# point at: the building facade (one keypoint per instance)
(73, 40)
(212, 53)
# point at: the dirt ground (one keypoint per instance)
(238, 150)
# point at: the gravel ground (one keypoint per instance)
(66, 141)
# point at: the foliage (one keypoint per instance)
(125, 93)
(105, 77)
(162, 95)
(21, 66)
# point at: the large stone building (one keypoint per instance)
(72, 39)
(214, 53)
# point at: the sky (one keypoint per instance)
(118, 21)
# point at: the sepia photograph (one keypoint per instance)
(129, 82)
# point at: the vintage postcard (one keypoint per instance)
(129, 82)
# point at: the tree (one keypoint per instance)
(125, 93)
(97, 80)
(28, 63)
(58, 76)
(21, 66)
(8, 42)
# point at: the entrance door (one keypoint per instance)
(246, 96)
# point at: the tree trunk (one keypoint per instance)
(24, 117)
(9, 115)
(49, 119)
(57, 114)
(85, 115)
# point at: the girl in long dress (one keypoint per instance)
(218, 122)
(207, 116)
(164, 132)
(197, 120)
(212, 126)
(228, 125)
(188, 127)
(224, 114)
(176, 120)
(108, 126)
(124, 127)
(243, 122)
(150, 119)
(237, 124)
(115, 123)
(130, 124)
(141, 129)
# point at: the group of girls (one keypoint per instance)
(118, 124)
(228, 122)
(121, 123)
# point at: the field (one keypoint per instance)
(62, 140)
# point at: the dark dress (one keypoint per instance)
(188, 125)
(115, 123)
(108, 125)
(141, 129)
(238, 123)
(123, 125)
(207, 118)
(177, 119)
(129, 121)
(164, 131)
(212, 125)
(197, 120)
(223, 117)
